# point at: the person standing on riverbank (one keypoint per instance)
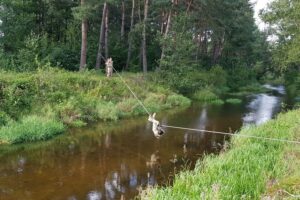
(109, 67)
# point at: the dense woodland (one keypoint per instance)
(143, 34)
(140, 35)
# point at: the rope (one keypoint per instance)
(292, 195)
(140, 102)
(200, 130)
(232, 134)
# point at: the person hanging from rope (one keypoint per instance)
(109, 67)
(156, 127)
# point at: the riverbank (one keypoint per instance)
(251, 169)
(39, 105)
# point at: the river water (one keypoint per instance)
(115, 160)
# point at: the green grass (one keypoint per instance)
(233, 101)
(205, 95)
(29, 129)
(77, 98)
(217, 102)
(246, 170)
(253, 88)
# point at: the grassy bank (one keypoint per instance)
(48, 101)
(251, 169)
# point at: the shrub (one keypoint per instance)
(217, 76)
(217, 102)
(240, 76)
(130, 107)
(205, 95)
(233, 101)
(29, 129)
(107, 111)
(17, 95)
(4, 119)
(177, 100)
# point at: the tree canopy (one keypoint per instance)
(184, 34)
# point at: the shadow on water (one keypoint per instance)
(113, 160)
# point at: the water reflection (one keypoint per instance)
(261, 109)
(154, 160)
(280, 89)
(94, 195)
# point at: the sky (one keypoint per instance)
(258, 5)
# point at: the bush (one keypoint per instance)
(17, 95)
(205, 95)
(217, 102)
(217, 76)
(130, 107)
(4, 119)
(107, 111)
(233, 101)
(78, 98)
(30, 129)
(177, 100)
(240, 76)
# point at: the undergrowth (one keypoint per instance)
(75, 99)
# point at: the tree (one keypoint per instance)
(283, 17)
(84, 30)
(101, 38)
(144, 42)
(129, 38)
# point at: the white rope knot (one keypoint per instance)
(156, 127)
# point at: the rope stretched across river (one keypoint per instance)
(206, 131)
(232, 134)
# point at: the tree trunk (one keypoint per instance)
(166, 32)
(189, 6)
(101, 37)
(217, 49)
(106, 34)
(162, 22)
(123, 20)
(129, 39)
(84, 27)
(144, 43)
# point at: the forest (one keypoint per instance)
(171, 53)
(175, 38)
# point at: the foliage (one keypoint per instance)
(177, 100)
(76, 99)
(283, 17)
(30, 129)
(107, 111)
(34, 33)
(217, 102)
(4, 119)
(233, 101)
(244, 171)
(205, 95)
(240, 76)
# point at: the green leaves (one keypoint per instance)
(284, 19)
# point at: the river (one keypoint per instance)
(115, 160)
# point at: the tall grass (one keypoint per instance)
(29, 129)
(233, 101)
(244, 171)
(205, 95)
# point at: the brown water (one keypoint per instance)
(113, 160)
